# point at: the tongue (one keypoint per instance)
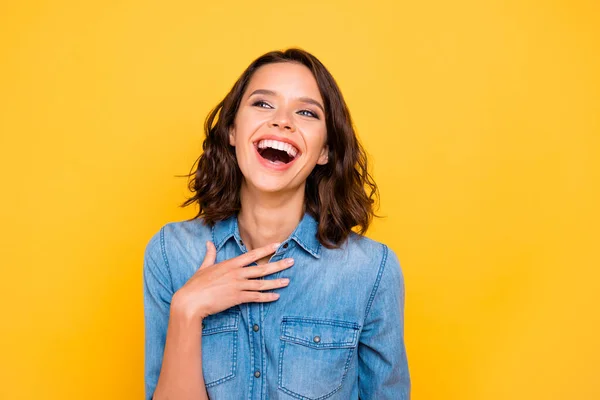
(275, 156)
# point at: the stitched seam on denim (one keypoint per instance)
(251, 348)
(299, 396)
(289, 322)
(213, 234)
(344, 344)
(350, 357)
(336, 345)
(263, 347)
(163, 251)
(346, 367)
(253, 351)
(280, 372)
(324, 321)
(378, 280)
(222, 242)
(231, 374)
(234, 361)
(315, 253)
(220, 329)
(217, 382)
(351, 351)
(231, 326)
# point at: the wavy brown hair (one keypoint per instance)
(340, 195)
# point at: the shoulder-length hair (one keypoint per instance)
(340, 195)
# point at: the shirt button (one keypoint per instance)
(316, 339)
(255, 328)
(257, 374)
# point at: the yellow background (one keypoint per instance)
(482, 119)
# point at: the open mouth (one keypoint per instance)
(276, 152)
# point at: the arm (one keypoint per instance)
(173, 365)
(173, 358)
(383, 367)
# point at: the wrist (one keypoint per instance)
(182, 309)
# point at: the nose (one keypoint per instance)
(282, 121)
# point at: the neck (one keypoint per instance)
(267, 218)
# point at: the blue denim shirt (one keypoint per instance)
(336, 332)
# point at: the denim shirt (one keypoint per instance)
(336, 332)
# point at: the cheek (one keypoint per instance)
(316, 140)
(244, 149)
(250, 117)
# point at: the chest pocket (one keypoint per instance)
(315, 355)
(219, 347)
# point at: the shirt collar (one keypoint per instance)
(305, 234)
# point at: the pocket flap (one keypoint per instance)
(222, 322)
(319, 333)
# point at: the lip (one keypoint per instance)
(270, 165)
(280, 139)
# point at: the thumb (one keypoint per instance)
(211, 255)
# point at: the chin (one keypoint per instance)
(270, 184)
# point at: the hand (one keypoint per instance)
(217, 287)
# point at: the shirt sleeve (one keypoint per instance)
(383, 367)
(158, 292)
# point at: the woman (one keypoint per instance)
(281, 182)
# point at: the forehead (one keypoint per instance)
(287, 79)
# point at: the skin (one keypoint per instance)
(273, 201)
(272, 206)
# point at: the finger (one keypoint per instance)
(266, 269)
(264, 284)
(253, 255)
(258, 297)
(211, 255)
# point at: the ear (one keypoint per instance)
(324, 156)
(232, 135)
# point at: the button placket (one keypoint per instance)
(255, 342)
(255, 312)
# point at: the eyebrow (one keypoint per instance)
(304, 99)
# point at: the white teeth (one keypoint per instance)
(277, 145)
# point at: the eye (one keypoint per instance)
(308, 113)
(261, 104)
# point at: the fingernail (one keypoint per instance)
(289, 261)
(275, 295)
(276, 246)
(285, 281)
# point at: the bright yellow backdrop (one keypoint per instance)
(482, 119)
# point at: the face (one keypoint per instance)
(279, 133)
